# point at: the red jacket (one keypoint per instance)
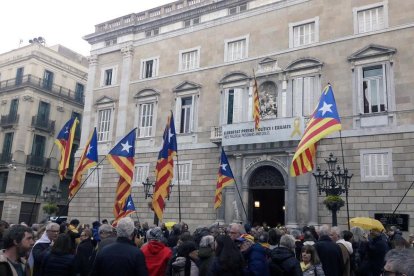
(157, 256)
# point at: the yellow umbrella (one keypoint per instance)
(366, 223)
(170, 224)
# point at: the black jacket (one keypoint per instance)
(38, 251)
(285, 259)
(83, 257)
(373, 262)
(58, 264)
(120, 258)
(330, 255)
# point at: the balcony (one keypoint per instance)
(37, 163)
(5, 159)
(9, 120)
(39, 83)
(216, 134)
(42, 124)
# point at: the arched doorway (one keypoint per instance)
(267, 197)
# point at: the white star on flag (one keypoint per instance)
(223, 166)
(325, 108)
(170, 135)
(126, 146)
(67, 130)
(89, 150)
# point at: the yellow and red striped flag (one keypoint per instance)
(122, 159)
(256, 104)
(224, 178)
(325, 120)
(64, 141)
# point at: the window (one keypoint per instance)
(79, 89)
(183, 173)
(186, 114)
(47, 80)
(186, 106)
(29, 212)
(236, 49)
(376, 165)
(374, 89)
(371, 17)
(104, 124)
(152, 32)
(303, 91)
(14, 106)
(43, 113)
(191, 22)
(38, 147)
(7, 145)
(141, 173)
(189, 59)
(19, 75)
(32, 184)
(3, 181)
(146, 117)
(149, 68)
(111, 41)
(304, 32)
(235, 99)
(95, 177)
(238, 9)
(108, 76)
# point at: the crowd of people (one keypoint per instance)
(134, 249)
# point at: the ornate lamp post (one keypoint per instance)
(149, 187)
(51, 196)
(333, 181)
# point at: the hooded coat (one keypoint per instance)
(157, 256)
(286, 260)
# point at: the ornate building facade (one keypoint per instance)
(40, 89)
(197, 58)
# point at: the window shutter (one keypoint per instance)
(360, 84)
(297, 96)
(193, 98)
(225, 106)
(238, 105)
(177, 115)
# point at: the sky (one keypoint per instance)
(62, 22)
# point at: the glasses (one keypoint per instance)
(53, 231)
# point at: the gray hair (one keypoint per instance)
(287, 241)
(401, 261)
(207, 241)
(239, 227)
(324, 230)
(125, 227)
(105, 228)
(295, 233)
(336, 230)
(358, 234)
(51, 225)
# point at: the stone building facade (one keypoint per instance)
(40, 89)
(197, 59)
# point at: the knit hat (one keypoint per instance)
(246, 237)
(155, 234)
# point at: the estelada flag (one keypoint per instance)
(224, 178)
(64, 141)
(129, 208)
(325, 120)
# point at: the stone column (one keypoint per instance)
(87, 110)
(238, 171)
(127, 54)
(313, 201)
(290, 204)
(228, 204)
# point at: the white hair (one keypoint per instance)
(207, 241)
(51, 225)
(287, 241)
(324, 230)
(125, 227)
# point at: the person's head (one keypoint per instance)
(307, 236)
(246, 241)
(263, 237)
(274, 236)
(359, 234)
(86, 234)
(20, 237)
(236, 230)
(64, 244)
(324, 230)
(155, 234)
(309, 255)
(187, 249)
(224, 245)
(296, 234)
(184, 227)
(3, 226)
(125, 228)
(399, 262)
(105, 231)
(207, 241)
(104, 221)
(74, 222)
(374, 233)
(96, 224)
(288, 241)
(347, 235)
(392, 230)
(335, 233)
(52, 230)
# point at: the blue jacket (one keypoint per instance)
(256, 260)
(58, 264)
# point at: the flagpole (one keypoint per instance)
(346, 191)
(40, 186)
(179, 189)
(99, 201)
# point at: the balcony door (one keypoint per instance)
(43, 113)
(38, 148)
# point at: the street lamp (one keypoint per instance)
(149, 188)
(52, 195)
(333, 181)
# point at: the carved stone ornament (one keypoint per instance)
(59, 108)
(3, 102)
(28, 98)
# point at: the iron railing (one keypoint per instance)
(37, 163)
(9, 120)
(43, 124)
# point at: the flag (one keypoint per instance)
(64, 141)
(122, 159)
(164, 169)
(325, 120)
(129, 208)
(88, 159)
(224, 178)
(256, 104)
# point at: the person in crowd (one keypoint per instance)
(236, 230)
(298, 242)
(308, 238)
(310, 263)
(376, 249)
(105, 221)
(185, 263)
(156, 253)
(274, 238)
(254, 255)
(359, 245)
(50, 235)
(121, 257)
(165, 231)
(205, 254)
(394, 234)
(411, 240)
(60, 260)
(329, 253)
(346, 250)
(107, 236)
(184, 227)
(18, 240)
(84, 252)
(3, 226)
(399, 262)
(228, 260)
(400, 243)
(174, 235)
(95, 231)
(283, 259)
